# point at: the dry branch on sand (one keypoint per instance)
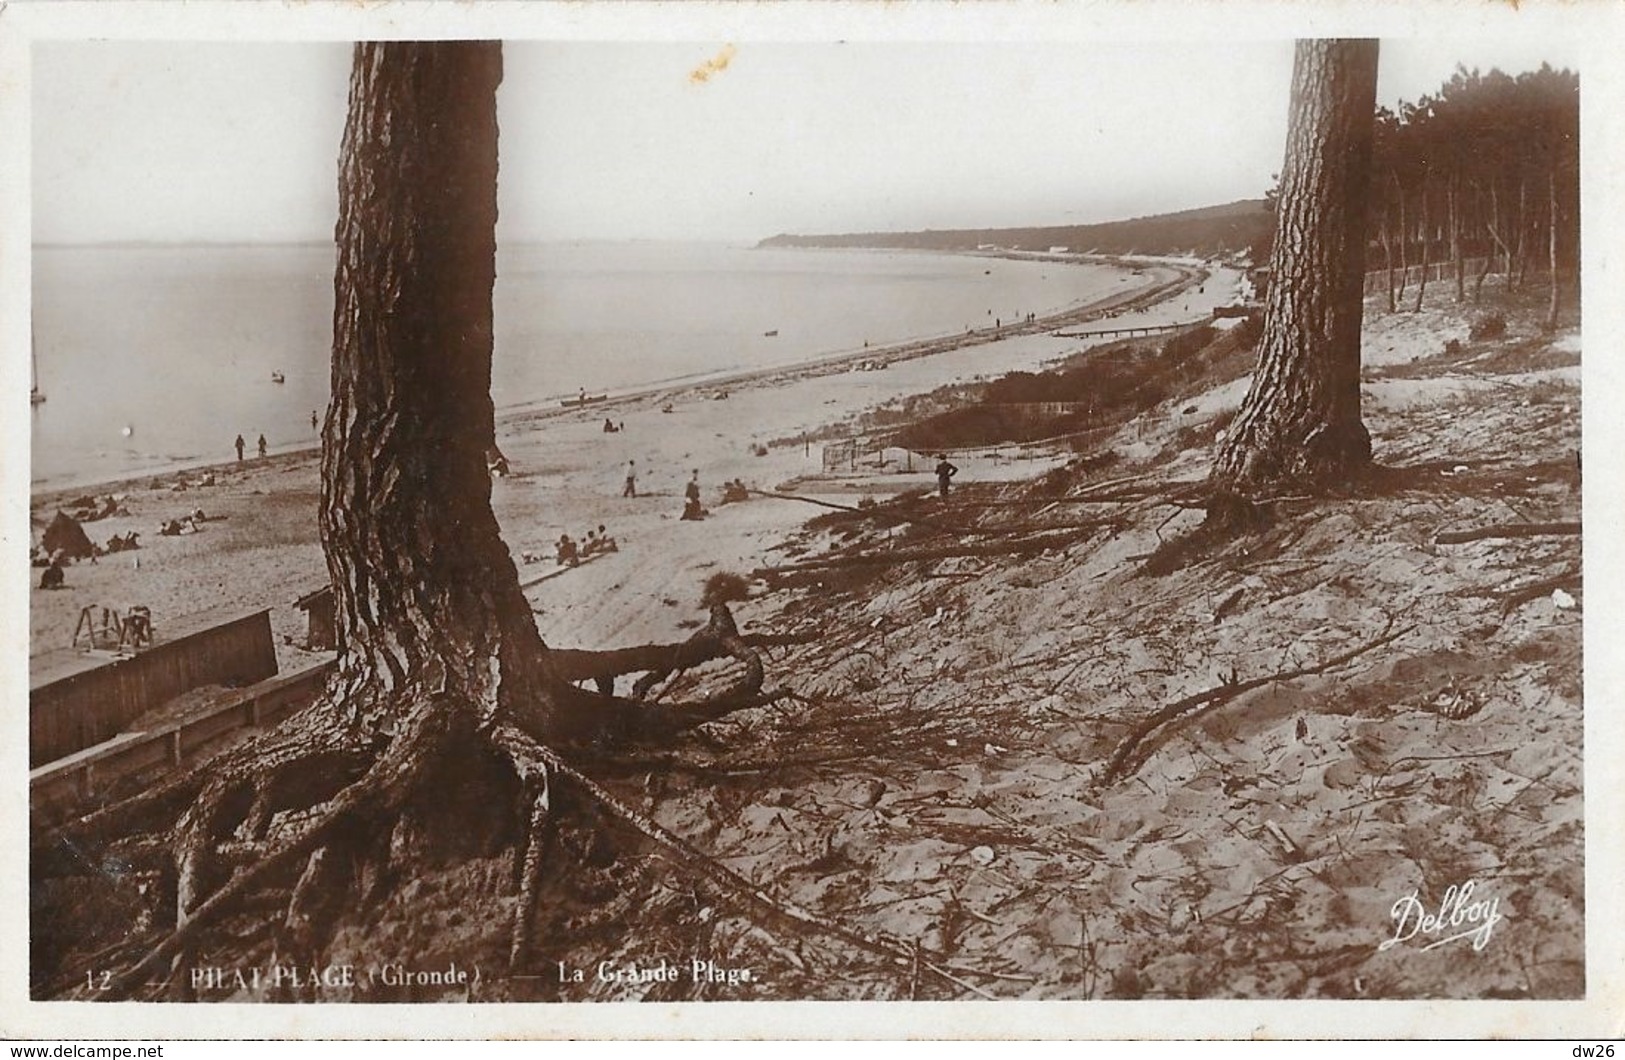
(1506, 530)
(1131, 751)
(1021, 547)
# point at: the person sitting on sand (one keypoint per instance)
(605, 542)
(52, 578)
(692, 512)
(567, 554)
(591, 544)
(734, 492)
(123, 542)
(609, 426)
(945, 474)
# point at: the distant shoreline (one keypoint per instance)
(45, 493)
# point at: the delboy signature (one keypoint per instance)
(1458, 914)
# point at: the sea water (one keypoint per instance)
(153, 357)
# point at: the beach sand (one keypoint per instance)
(260, 547)
(941, 778)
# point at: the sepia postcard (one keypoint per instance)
(811, 520)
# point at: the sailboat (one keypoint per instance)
(36, 396)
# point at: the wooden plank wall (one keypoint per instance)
(77, 783)
(86, 708)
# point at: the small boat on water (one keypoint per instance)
(277, 377)
(771, 334)
(36, 396)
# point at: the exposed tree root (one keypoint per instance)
(900, 953)
(719, 639)
(300, 751)
(1511, 599)
(1506, 530)
(1134, 748)
(1025, 546)
(380, 790)
(882, 512)
(227, 847)
(520, 750)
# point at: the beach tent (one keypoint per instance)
(66, 536)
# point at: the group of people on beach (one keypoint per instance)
(569, 553)
(186, 524)
(240, 444)
(694, 509)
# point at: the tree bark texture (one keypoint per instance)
(1299, 425)
(427, 597)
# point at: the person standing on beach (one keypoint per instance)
(239, 448)
(313, 419)
(262, 445)
(945, 474)
(692, 491)
(631, 489)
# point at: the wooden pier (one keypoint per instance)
(1142, 329)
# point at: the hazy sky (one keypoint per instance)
(239, 141)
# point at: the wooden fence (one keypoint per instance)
(72, 784)
(1376, 281)
(80, 698)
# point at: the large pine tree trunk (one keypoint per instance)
(1551, 245)
(428, 599)
(1299, 425)
(439, 735)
